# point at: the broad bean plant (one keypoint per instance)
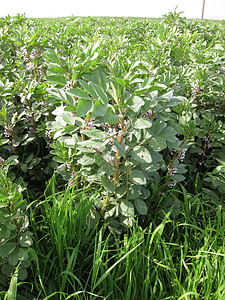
(119, 131)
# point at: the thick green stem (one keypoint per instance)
(105, 203)
(117, 163)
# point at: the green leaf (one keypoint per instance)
(141, 154)
(89, 88)
(68, 118)
(141, 206)
(136, 103)
(99, 109)
(134, 191)
(127, 208)
(142, 123)
(169, 134)
(18, 254)
(7, 248)
(22, 275)
(84, 106)
(157, 143)
(24, 168)
(7, 269)
(121, 81)
(108, 185)
(100, 92)
(25, 240)
(121, 190)
(11, 226)
(53, 57)
(4, 232)
(3, 142)
(120, 148)
(111, 117)
(12, 160)
(91, 143)
(86, 160)
(178, 177)
(158, 125)
(158, 87)
(105, 167)
(79, 121)
(95, 133)
(137, 177)
(59, 159)
(56, 70)
(78, 93)
(29, 158)
(145, 193)
(58, 79)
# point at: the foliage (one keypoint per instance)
(130, 114)
(15, 238)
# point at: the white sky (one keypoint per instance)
(214, 9)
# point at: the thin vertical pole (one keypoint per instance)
(203, 7)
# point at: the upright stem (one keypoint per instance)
(105, 203)
(117, 163)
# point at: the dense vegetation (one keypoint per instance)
(112, 158)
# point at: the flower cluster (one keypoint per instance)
(196, 90)
(172, 171)
(48, 134)
(207, 143)
(30, 66)
(181, 155)
(126, 124)
(89, 123)
(68, 166)
(172, 184)
(148, 114)
(1, 160)
(25, 54)
(8, 131)
(28, 57)
(35, 54)
(72, 179)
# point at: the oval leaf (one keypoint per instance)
(137, 177)
(58, 79)
(141, 206)
(142, 123)
(78, 93)
(99, 109)
(68, 118)
(142, 155)
(127, 208)
(84, 106)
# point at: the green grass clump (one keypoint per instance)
(178, 257)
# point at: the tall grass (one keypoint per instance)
(181, 257)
